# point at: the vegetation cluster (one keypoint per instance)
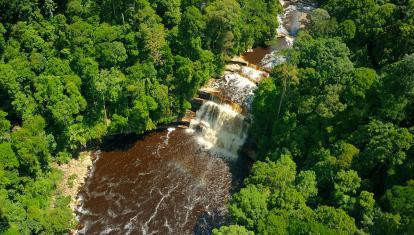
(334, 128)
(73, 71)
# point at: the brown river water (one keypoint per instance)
(164, 183)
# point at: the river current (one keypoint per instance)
(161, 184)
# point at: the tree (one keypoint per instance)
(2, 40)
(329, 56)
(306, 184)
(4, 126)
(249, 206)
(399, 200)
(347, 182)
(169, 11)
(287, 199)
(345, 154)
(49, 6)
(365, 210)
(108, 86)
(322, 24)
(313, 227)
(264, 104)
(273, 224)
(232, 230)
(336, 219)
(398, 91)
(153, 37)
(32, 146)
(9, 174)
(111, 54)
(50, 93)
(260, 21)
(274, 175)
(286, 76)
(387, 223)
(346, 30)
(223, 26)
(384, 147)
(12, 11)
(358, 94)
(190, 32)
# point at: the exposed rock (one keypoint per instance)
(238, 60)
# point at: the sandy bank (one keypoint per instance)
(74, 176)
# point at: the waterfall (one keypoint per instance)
(220, 124)
(236, 87)
(220, 128)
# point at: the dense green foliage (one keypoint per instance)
(73, 71)
(370, 28)
(335, 139)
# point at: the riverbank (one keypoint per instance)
(74, 174)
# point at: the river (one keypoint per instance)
(161, 184)
(176, 180)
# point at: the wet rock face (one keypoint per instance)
(236, 88)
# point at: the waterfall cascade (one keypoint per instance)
(220, 126)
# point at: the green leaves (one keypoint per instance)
(223, 25)
(4, 126)
(273, 202)
(384, 147)
(399, 201)
(50, 93)
(398, 87)
(111, 54)
(153, 37)
(306, 184)
(347, 182)
(328, 56)
(347, 128)
(249, 206)
(232, 230)
(274, 175)
(336, 219)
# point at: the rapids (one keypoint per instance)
(293, 18)
(162, 184)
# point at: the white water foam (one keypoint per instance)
(290, 17)
(236, 88)
(220, 128)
